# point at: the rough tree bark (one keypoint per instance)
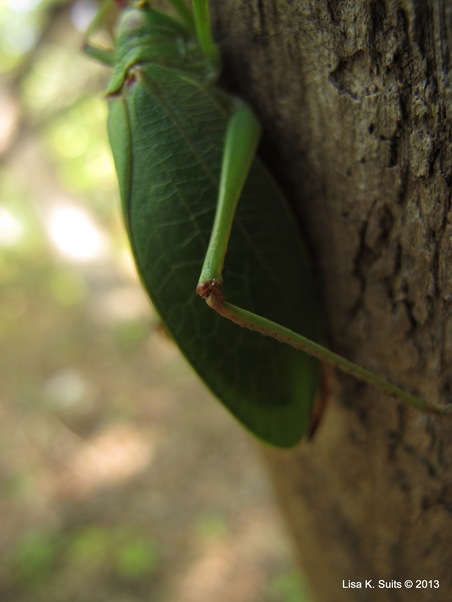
(355, 99)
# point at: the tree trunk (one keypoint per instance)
(355, 100)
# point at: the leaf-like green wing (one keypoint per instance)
(167, 135)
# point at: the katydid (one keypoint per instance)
(196, 200)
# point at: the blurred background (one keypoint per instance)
(121, 479)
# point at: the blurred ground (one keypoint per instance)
(121, 479)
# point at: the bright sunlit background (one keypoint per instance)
(121, 479)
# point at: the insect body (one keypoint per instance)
(184, 152)
(167, 125)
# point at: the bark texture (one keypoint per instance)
(355, 99)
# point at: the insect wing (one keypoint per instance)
(167, 133)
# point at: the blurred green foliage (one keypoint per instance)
(118, 553)
(289, 587)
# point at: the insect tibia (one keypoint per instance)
(211, 292)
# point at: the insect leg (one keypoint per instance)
(242, 137)
(182, 9)
(204, 30)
